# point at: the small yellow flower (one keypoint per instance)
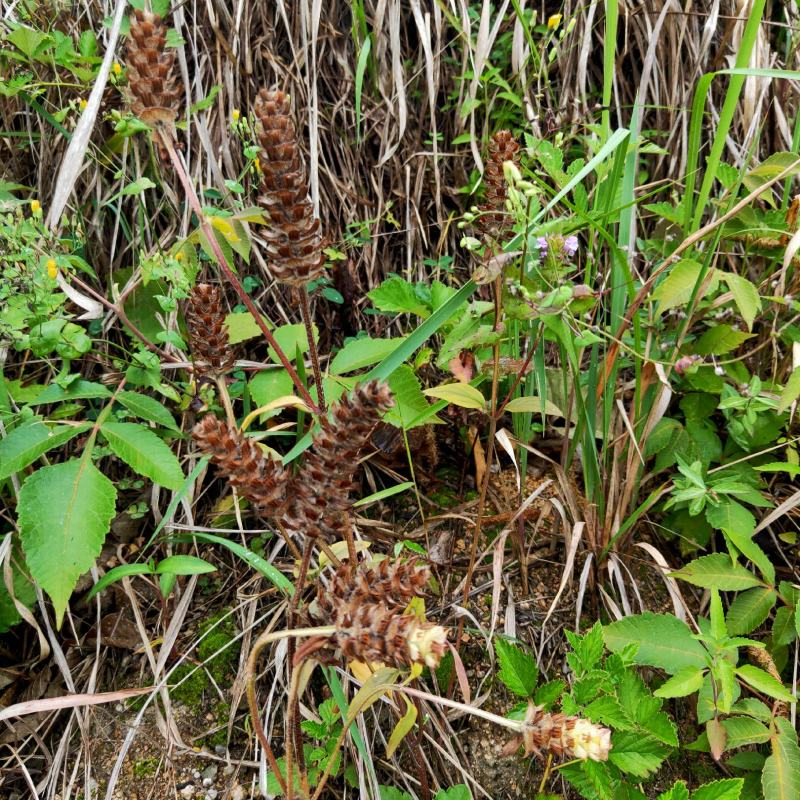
(235, 115)
(179, 256)
(117, 68)
(257, 163)
(52, 268)
(36, 207)
(554, 21)
(82, 103)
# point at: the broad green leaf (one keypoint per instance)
(146, 407)
(360, 353)
(676, 289)
(144, 453)
(269, 385)
(401, 730)
(783, 630)
(460, 792)
(136, 187)
(750, 609)
(636, 754)
(534, 405)
(78, 390)
(396, 294)
(64, 513)
(763, 682)
(392, 793)
(184, 565)
(411, 406)
(780, 779)
(743, 731)
(678, 791)
(717, 571)
(607, 710)
(686, 681)
(25, 444)
(518, 670)
(291, 339)
(241, 326)
(727, 789)
(745, 295)
(664, 641)
(719, 340)
(117, 574)
(458, 394)
(790, 392)
(731, 516)
(24, 590)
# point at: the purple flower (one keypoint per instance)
(541, 243)
(570, 246)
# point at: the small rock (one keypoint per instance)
(237, 793)
(228, 769)
(209, 773)
(220, 749)
(119, 708)
(211, 794)
(188, 790)
(208, 782)
(196, 774)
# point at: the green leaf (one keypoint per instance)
(458, 394)
(396, 294)
(518, 670)
(360, 353)
(783, 630)
(401, 730)
(607, 710)
(384, 493)
(678, 791)
(686, 681)
(459, 792)
(790, 392)
(750, 609)
(269, 385)
(411, 406)
(25, 444)
(144, 453)
(743, 731)
(272, 573)
(64, 513)
(780, 779)
(763, 682)
(392, 793)
(241, 326)
(136, 187)
(78, 390)
(717, 571)
(664, 641)
(676, 289)
(146, 407)
(636, 754)
(719, 340)
(291, 339)
(184, 565)
(24, 590)
(745, 295)
(117, 574)
(727, 789)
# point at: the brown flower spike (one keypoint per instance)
(259, 479)
(494, 223)
(208, 335)
(365, 605)
(293, 238)
(150, 69)
(320, 492)
(561, 735)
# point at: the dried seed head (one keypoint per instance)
(493, 222)
(208, 334)
(259, 479)
(150, 74)
(562, 736)
(293, 238)
(320, 492)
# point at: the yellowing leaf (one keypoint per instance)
(225, 228)
(458, 394)
(745, 295)
(533, 404)
(404, 725)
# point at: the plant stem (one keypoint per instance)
(194, 202)
(305, 309)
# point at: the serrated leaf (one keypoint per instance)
(636, 754)
(607, 710)
(742, 731)
(411, 408)
(518, 670)
(745, 296)
(664, 641)
(396, 294)
(458, 394)
(360, 353)
(750, 609)
(459, 792)
(267, 386)
(727, 789)
(64, 514)
(678, 791)
(717, 571)
(25, 444)
(780, 779)
(719, 340)
(783, 630)
(686, 681)
(401, 730)
(144, 453)
(146, 407)
(763, 682)
(676, 289)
